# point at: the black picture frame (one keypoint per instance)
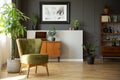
(55, 12)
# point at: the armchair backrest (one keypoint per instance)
(29, 46)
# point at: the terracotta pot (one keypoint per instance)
(106, 11)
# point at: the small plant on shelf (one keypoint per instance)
(106, 9)
(76, 24)
(114, 41)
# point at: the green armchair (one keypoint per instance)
(29, 51)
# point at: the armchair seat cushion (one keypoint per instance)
(34, 59)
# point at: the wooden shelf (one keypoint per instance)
(110, 33)
(109, 39)
(110, 22)
(110, 46)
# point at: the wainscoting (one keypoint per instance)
(71, 43)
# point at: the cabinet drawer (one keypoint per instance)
(110, 51)
(57, 45)
(110, 54)
(52, 48)
(44, 47)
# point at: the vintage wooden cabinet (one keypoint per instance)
(52, 48)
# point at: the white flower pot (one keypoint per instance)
(51, 38)
(13, 66)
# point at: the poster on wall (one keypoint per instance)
(55, 12)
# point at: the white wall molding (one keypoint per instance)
(80, 60)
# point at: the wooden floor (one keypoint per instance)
(109, 70)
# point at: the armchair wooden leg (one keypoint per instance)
(36, 70)
(20, 69)
(28, 71)
(47, 69)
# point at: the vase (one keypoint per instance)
(52, 38)
(75, 28)
(33, 27)
(106, 11)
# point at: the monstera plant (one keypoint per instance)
(10, 23)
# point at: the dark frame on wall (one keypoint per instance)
(55, 12)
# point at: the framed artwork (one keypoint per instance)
(105, 18)
(55, 12)
(118, 18)
(114, 18)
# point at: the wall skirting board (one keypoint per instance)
(71, 43)
(80, 60)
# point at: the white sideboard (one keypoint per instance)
(72, 41)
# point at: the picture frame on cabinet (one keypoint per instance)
(55, 12)
(114, 18)
(118, 18)
(105, 18)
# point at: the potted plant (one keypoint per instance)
(106, 9)
(76, 24)
(51, 34)
(35, 22)
(114, 41)
(90, 50)
(10, 20)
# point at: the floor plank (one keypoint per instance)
(108, 70)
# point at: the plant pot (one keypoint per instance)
(13, 65)
(52, 38)
(75, 28)
(90, 59)
(106, 11)
(113, 43)
(33, 27)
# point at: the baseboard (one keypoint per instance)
(81, 60)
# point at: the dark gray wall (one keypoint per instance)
(86, 11)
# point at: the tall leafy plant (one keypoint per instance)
(10, 23)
